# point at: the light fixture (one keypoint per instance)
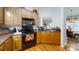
(71, 18)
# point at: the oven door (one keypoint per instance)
(28, 41)
(29, 37)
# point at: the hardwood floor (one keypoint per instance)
(45, 47)
(72, 45)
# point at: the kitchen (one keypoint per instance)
(23, 28)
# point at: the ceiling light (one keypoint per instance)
(71, 18)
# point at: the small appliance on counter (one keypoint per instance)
(41, 29)
(56, 29)
(14, 30)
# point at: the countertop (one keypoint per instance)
(4, 37)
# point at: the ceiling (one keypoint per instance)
(75, 11)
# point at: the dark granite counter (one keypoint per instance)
(47, 31)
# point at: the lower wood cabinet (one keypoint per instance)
(54, 38)
(45, 37)
(8, 45)
(13, 43)
(48, 37)
(17, 42)
(2, 47)
(38, 37)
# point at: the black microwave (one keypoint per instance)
(28, 21)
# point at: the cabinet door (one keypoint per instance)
(27, 13)
(2, 47)
(8, 16)
(12, 16)
(8, 45)
(54, 38)
(17, 43)
(17, 16)
(38, 37)
(45, 37)
(1, 15)
(36, 17)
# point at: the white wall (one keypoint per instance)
(53, 12)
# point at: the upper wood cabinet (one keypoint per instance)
(26, 13)
(12, 16)
(36, 17)
(1, 15)
(30, 14)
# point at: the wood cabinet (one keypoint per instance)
(48, 37)
(30, 14)
(27, 13)
(8, 44)
(36, 17)
(38, 37)
(2, 47)
(12, 16)
(54, 38)
(45, 37)
(17, 42)
(1, 15)
(13, 43)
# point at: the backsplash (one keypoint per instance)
(11, 27)
(18, 27)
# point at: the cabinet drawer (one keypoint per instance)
(17, 36)
(38, 35)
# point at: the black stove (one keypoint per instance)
(28, 35)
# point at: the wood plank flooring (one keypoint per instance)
(45, 47)
(72, 45)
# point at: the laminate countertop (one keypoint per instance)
(4, 37)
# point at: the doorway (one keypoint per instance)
(72, 28)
